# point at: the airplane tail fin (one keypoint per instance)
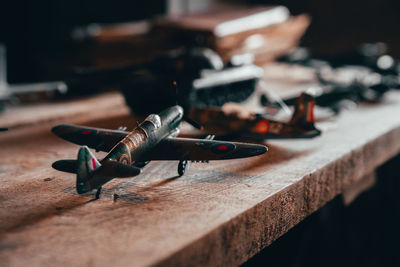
(91, 174)
(303, 115)
(87, 164)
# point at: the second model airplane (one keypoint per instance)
(153, 139)
(258, 126)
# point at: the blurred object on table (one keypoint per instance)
(265, 31)
(195, 77)
(28, 91)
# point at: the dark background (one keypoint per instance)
(340, 25)
(38, 30)
(32, 30)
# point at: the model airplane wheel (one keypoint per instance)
(182, 167)
(98, 192)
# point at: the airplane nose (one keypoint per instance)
(179, 109)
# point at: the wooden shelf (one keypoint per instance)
(219, 213)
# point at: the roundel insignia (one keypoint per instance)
(262, 126)
(222, 148)
(85, 132)
(124, 159)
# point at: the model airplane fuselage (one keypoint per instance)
(147, 135)
(153, 139)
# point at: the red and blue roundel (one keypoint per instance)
(124, 159)
(222, 148)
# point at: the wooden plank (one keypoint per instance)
(219, 213)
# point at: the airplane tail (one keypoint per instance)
(303, 115)
(87, 164)
(90, 173)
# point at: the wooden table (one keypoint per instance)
(218, 214)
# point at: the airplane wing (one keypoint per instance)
(201, 149)
(96, 138)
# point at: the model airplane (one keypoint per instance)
(257, 126)
(153, 139)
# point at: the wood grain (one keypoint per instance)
(218, 214)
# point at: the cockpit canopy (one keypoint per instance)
(155, 120)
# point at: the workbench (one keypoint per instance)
(217, 214)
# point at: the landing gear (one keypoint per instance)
(98, 192)
(182, 167)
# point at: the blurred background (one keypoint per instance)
(41, 36)
(48, 39)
